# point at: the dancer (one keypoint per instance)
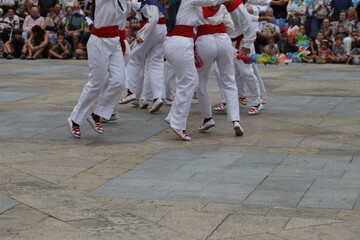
(179, 51)
(149, 48)
(106, 47)
(213, 44)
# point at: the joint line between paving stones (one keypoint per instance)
(286, 223)
(357, 200)
(305, 192)
(218, 226)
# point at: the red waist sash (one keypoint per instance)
(142, 23)
(111, 32)
(238, 41)
(210, 29)
(182, 30)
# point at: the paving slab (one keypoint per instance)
(4, 206)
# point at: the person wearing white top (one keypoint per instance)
(106, 66)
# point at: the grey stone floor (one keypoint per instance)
(5, 206)
(292, 180)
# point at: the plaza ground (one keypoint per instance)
(295, 174)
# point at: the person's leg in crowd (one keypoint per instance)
(347, 43)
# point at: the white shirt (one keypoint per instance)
(108, 13)
(153, 14)
(243, 26)
(187, 14)
(259, 2)
(221, 16)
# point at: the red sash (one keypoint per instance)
(111, 32)
(210, 29)
(210, 11)
(142, 23)
(182, 30)
(231, 7)
(238, 41)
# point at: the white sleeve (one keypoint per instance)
(260, 2)
(247, 28)
(151, 12)
(135, 5)
(229, 24)
(254, 18)
(206, 3)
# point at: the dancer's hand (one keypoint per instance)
(139, 40)
(245, 50)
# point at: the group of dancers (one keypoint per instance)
(191, 35)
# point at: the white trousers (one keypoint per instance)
(241, 84)
(170, 81)
(151, 51)
(217, 48)
(106, 77)
(179, 51)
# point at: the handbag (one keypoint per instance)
(322, 13)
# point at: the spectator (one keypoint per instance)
(268, 29)
(78, 9)
(22, 14)
(291, 47)
(15, 45)
(68, 3)
(352, 16)
(74, 27)
(302, 30)
(37, 45)
(68, 14)
(319, 38)
(272, 48)
(61, 50)
(58, 12)
(52, 23)
(318, 11)
(283, 43)
(313, 51)
(12, 19)
(338, 5)
(6, 4)
(33, 3)
(339, 50)
(326, 29)
(129, 37)
(45, 5)
(81, 51)
(296, 12)
(325, 53)
(34, 19)
(345, 29)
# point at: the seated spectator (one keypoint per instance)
(283, 43)
(346, 30)
(319, 39)
(325, 54)
(302, 30)
(15, 45)
(352, 16)
(77, 8)
(22, 14)
(272, 48)
(339, 51)
(326, 29)
(68, 3)
(58, 11)
(51, 25)
(296, 12)
(12, 19)
(313, 51)
(74, 27)
(339, 5)
(68, 13)
(34, 19)
(61, 50)
(6, 5)
(81, 51)
(37, 45)
(268, 29)
(291, 47)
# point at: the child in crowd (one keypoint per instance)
(37, 44)
(325, 53)
(319, 38)
(14, 46)
(272, 48)
(292, 45)
(283, 42)
(61, 50)
(339, 51)
(313, 51)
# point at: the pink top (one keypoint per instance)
(30, 22)
(324, 53)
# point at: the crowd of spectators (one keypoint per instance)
(60, 28)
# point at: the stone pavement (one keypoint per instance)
(295, 174)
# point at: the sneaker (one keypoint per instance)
(74, 130)
(243, 100)
(182, 134)
(207, 125)
(113, 117)
(239, 131)
(22, 56)
(144, 104)
(136, 103)
(168, 101)
(156, 105)
(255, 109)
(129, 98)
(10, 56)
(96, 125)
(221, 108)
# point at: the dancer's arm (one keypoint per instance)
(151, 12)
